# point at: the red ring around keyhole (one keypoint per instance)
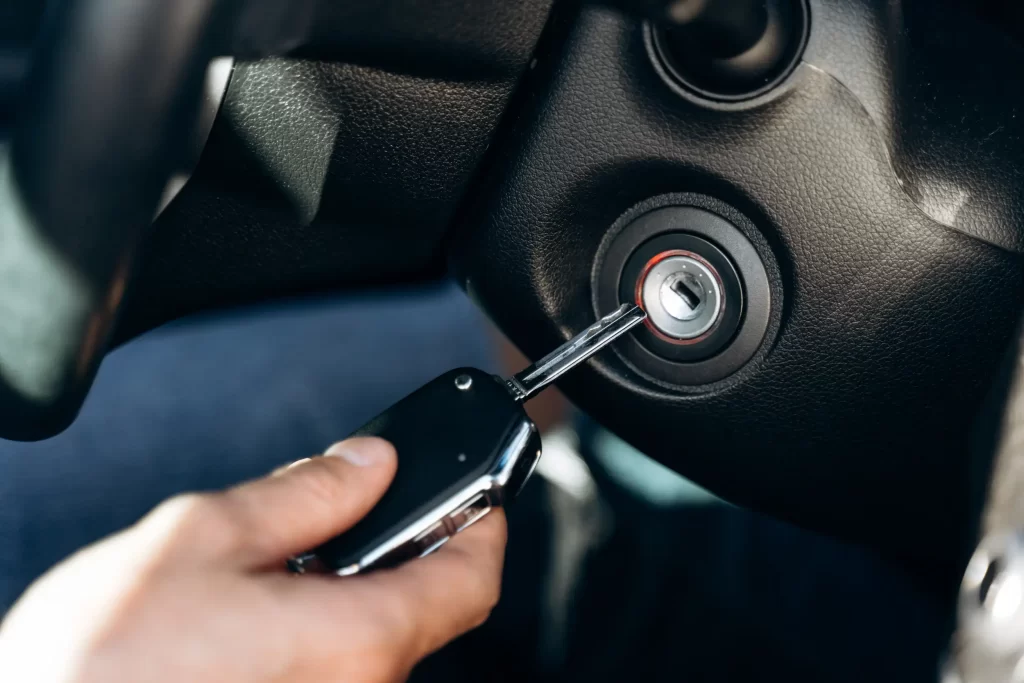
(638, 295)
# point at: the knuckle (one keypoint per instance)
(399, 618)
(322, 481)
(176, 513)
(198, 520)
(481, 582)
(170, 510)
(397, 626)
(382, 662)
(493, 597)
(481, 590)
(213, 522)
(480, 619)
(176, 507)
(486, 594)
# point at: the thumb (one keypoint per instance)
(308, 503)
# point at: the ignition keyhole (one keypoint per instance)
(682, 295)
(692, 298)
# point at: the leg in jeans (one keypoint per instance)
(205, 403)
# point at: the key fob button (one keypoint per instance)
(470, 512)
(431, 539)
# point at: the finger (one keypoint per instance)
(416, 608)
(302, 506)
(453, 590)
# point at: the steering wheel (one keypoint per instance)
(852, 193)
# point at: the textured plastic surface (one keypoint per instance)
(321, 175)
(855, 420)
(430, 429)
(454, 40)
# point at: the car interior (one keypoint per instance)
(818, 203)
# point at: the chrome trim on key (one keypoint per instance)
(505, 479)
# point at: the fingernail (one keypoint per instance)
(359, 452)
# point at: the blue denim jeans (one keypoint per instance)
(211, 401)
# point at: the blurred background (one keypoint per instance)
(617, 568)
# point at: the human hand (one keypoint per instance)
(196, 591)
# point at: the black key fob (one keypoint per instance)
(465, 445)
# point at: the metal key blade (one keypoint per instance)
(525, 384)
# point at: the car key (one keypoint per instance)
(465, 446)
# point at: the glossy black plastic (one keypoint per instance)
(446, 438)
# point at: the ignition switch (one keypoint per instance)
(691, 292)
(701, 281)
(682, 294)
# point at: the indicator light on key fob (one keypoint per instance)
(465, 445)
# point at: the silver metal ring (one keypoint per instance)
(682, 295)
